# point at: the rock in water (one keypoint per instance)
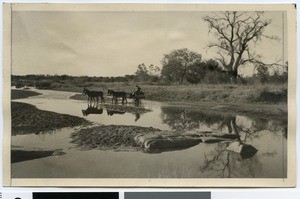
(246, 150)
(162, 141)
(168, 140)
(58, 152)
(141, 139)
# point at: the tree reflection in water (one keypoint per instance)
(190, 118)
(221, 162)
(179, 119)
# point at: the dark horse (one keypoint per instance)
(93, 96)
(92, 110)
(116, 95)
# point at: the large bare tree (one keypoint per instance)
(236, 34)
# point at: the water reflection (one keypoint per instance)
(92, 109)
(188, 118)
(112, 112)
(224, 163)
(230, 159)
(267, 135)
(137, 116)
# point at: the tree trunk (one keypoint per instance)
(182, 78)
(183, 75)
(233, 75)
(235, 129)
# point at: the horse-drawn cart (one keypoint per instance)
(137, 97)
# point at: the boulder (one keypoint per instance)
(245, 150)
(171, 143)
(165, 140)
(168, 140)
(141, 139)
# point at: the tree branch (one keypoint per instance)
(235, 30)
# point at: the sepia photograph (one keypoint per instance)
(151, 93)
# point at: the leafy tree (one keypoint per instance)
(154, 70)
(236, 34)
(212, 65)
(176, 64)
(197, 72)
(154, 73)
(142, 72)
(263, 73)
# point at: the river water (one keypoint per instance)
(267, 135)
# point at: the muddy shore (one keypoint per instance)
(28, 119)
(20, 94)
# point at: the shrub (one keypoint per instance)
(215, 77)
(267, 95)
(43, 85)
(19, 84)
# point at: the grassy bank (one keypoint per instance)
(227, 93)
(219, 93)
(28, 119)
(20, 94)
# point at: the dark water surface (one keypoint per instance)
(267, 135)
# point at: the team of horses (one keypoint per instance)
(95, 96)
(115, 95)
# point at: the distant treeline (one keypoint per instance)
(48, 81)
(209, 77)
(180, 66)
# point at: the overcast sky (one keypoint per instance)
(114, 43)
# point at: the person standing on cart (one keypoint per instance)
(138, 95)
(139, 90)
